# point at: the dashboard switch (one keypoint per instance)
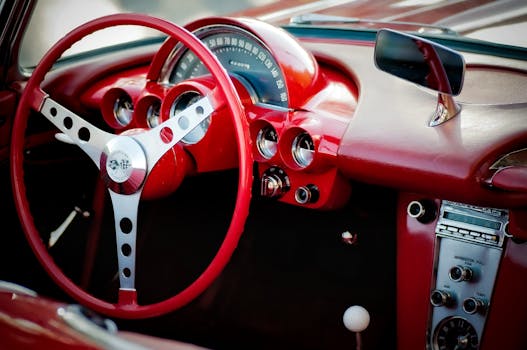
(441, 298)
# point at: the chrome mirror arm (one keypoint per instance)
(446, 109)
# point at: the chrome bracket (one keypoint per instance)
(446, 109)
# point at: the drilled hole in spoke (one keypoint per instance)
(126, 225)
(84, 134)
(183, 122)
(199, 110)
(68, 123)
(126, 249)
(127, 272)
(53, 111)
(166, 135)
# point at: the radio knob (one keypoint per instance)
(441, 298)
(423, 210)
(460, 273)
(474, 305)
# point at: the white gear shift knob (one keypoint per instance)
(356, 318)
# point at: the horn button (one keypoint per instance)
(123, 165)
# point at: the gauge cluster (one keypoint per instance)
(296, 162)
(297, 107)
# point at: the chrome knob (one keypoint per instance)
(460, 273)
(306, 194)
(441, 298)
(474, 305)
(424, 210)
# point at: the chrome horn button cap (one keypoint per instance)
(123, 165)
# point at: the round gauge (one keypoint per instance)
(123, 110)
(243, 56)
(182, 102)
(303, 149)
(455, 333)
(153, 114)
(267, 142)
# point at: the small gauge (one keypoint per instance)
(455, 333)
(123, 110)
(179, 105)
(153, 115)
(267, 142)
(303, 149)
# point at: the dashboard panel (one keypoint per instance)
(295, 86)
(295, 136)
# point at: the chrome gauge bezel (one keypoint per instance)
(153, 114)
(303, 150)
(267, 142)
(123, 110)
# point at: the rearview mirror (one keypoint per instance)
(425, 63)
(420, 61)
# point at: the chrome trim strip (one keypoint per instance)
(105, 335)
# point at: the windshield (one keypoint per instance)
(52, 19)
(501, 21)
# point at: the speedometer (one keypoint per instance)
(244, 56)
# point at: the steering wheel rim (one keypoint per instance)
(33, 97)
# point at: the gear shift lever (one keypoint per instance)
(356, 319)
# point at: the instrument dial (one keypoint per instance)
(267, 142)
(153, 114)
(303, 149)
(242, 55)
(455, 333)
(123, 110)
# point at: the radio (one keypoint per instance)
(468, 249)
(476, 224)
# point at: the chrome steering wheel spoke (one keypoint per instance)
(125, 209)
(157, 141)
(89, 138)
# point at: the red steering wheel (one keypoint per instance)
(139, 153)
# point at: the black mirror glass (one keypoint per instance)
(420, 61)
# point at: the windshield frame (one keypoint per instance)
(458, 43)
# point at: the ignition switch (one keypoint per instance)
(274, 183)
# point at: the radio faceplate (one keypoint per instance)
(468, 249)
(475, 224)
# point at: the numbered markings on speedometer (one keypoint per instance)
(244, 57)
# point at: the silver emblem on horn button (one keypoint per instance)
(119, 167)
